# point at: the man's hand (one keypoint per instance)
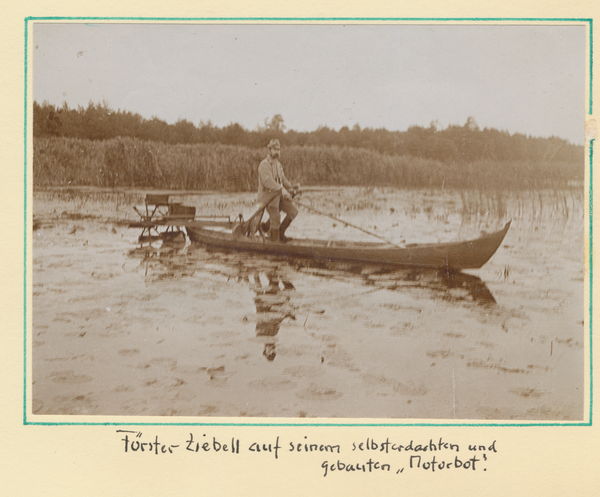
(285, 194)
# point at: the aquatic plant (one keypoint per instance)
(130, 162)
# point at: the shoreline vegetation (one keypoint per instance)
(97, 146)
(132, 162)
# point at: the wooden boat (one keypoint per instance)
(167, 225)
(471, 254)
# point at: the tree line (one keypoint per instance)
(454, 144)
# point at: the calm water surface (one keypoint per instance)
(179, 330)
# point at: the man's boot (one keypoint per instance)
(265, 227)
(274, 235)
(284, 226)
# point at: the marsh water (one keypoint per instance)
(120, 328)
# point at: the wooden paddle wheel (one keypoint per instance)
(162, 220)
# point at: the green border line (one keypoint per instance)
(193, 19)
(305, 425)
(302, 19)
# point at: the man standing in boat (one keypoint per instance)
(274, 193)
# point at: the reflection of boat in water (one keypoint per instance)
(281, 288)
(276, 300)
(471, 254)
(169, 260)
(178, 260)
(451, 286)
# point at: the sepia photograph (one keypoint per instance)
(268, 221)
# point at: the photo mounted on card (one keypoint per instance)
(267, 222)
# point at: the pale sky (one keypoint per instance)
(526, 79)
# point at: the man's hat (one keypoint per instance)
(272, 143)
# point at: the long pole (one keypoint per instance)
(346, 223)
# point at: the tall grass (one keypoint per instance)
(130, 162)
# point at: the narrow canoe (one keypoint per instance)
(471, 254)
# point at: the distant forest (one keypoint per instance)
(455, 144)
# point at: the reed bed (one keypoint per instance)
(129, 162)
(481, 193)
(470, 205)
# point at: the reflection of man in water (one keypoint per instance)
(272, 307)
